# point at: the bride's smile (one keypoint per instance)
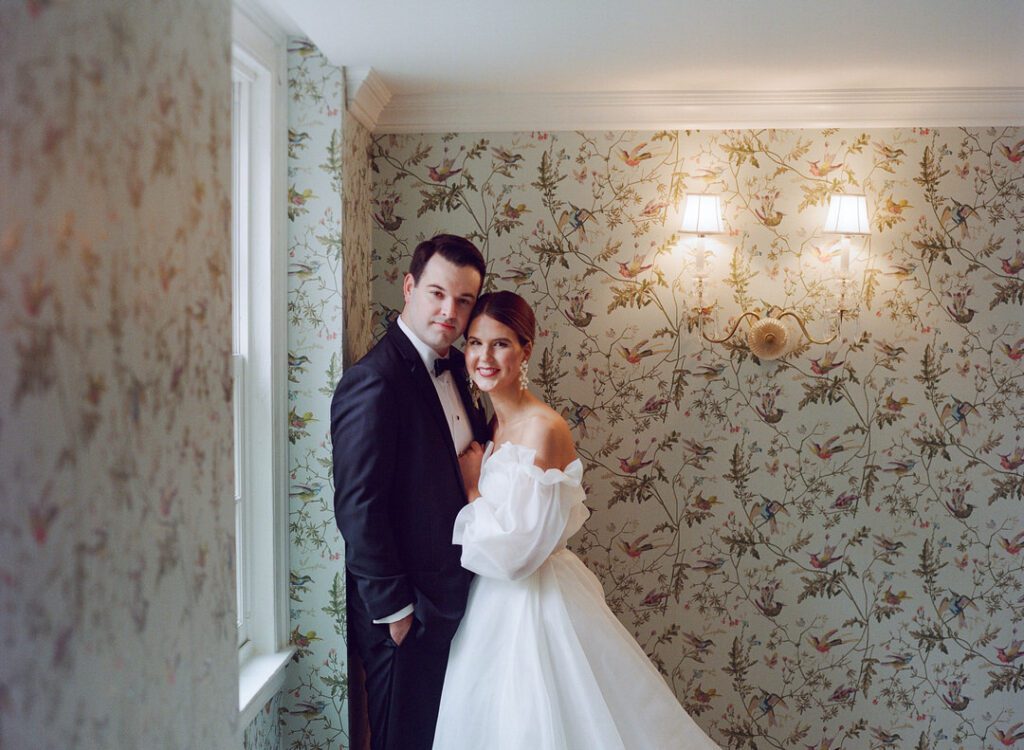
(494, 355)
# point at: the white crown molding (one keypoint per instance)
(711, 110)
(366, 95)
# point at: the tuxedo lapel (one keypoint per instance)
(423, 386)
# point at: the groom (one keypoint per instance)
(400, 418)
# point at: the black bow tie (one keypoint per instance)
(441, 364)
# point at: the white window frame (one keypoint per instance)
(259, 66)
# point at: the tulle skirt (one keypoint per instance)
(543, 664)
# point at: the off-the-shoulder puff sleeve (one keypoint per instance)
(523, 515)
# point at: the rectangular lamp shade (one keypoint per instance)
(847, 214)
(702, 214)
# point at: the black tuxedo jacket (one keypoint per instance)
(397, 486)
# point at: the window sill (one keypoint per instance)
(260, 678)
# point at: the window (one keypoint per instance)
(259, 317)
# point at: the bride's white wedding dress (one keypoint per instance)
(539, 661)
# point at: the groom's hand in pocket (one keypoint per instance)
(399, 629)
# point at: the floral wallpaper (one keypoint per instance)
(117, 531)
(820, 551)
(328, 187)
(264, 733)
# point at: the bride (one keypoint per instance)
(539, 661)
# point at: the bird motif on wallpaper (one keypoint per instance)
(635, 155)
(653, 405)
(576, 220)
(958, 411)
(826, 363)
(1014, 351)
(577, 415)
(705, 503)
(514, 212)
(768, 411)
(638, 546)
(633, 464)
(958, 215)
(701, 646)
(305, 492)
(303, 640)
(957, 503)
(766, 599)
(901, 271)
(890, 351)
(845, 500)
(1014, 153)
(766, 212)
(709, 565)
(902, 467)
(298, 200)
(825, 642)
(766, 512)
(957, 606)
(953, 698)
(700, 695)
(443, 171)
(300, 421)
(896, 405)
(897, 661)
(698, 451)
(517, 276)
(1010, 654)
(842, 694)
(655, 598)
(634, 267)
(889, 547)
(896, 208)
(386, 218)
(893, 599)
(506, 157)
(296, 364)
(653, 208)
(296, 142)
(884, 738)
(576, 314)
(826, 450)
(827, 253)
(1012, 545)
(823, 166)
(636, 353)
(710, 372)
(959, 310)
(827, 556)
(765, 706)
(297, 583)
(308, 710)
(891, 156)
(709, 176)
(303, 271)
(1010, 736)
(1013, 265)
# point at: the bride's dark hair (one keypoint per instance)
(509, 309)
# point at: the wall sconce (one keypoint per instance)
(768, 337)
(847, 215)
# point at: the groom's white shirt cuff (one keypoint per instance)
(403, 612)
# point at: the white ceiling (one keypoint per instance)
(523, 51)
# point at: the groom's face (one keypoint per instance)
(437, 307)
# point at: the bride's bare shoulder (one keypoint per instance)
(548, 434)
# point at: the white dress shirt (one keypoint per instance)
(454, 412)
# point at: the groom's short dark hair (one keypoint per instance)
(454, 249)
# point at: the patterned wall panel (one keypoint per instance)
(329, 185)
(819, 551)
(117, 538)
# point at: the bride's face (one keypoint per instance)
(494, 354)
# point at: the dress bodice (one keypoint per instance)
(523, 515)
